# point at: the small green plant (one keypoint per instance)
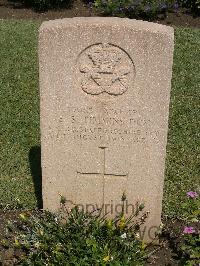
(80, 238)
(191, 246)
(192, 206)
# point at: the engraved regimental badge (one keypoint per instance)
(105, 68)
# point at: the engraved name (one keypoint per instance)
(85, 124)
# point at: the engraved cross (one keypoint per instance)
(103, 174)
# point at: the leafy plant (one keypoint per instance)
(191, 247)
(80, 238)
(133, 8)
(192, 206)
(194, 5)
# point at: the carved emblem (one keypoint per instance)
(105, 68)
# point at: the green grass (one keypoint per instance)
(183, 161)
(19, 117)
(19, 105)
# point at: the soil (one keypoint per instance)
(8, 256)
(163, 254)
(16, 10)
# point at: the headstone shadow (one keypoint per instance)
(36, 172)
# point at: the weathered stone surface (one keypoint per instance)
(105, 90)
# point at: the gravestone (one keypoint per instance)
(105, 91)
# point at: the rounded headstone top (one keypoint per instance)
(109, 21)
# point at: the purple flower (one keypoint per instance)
(147, 8)
(176, 5)
(132, 7)
(189, 230)
(120, 9)
(192, 194)
(163, 6)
